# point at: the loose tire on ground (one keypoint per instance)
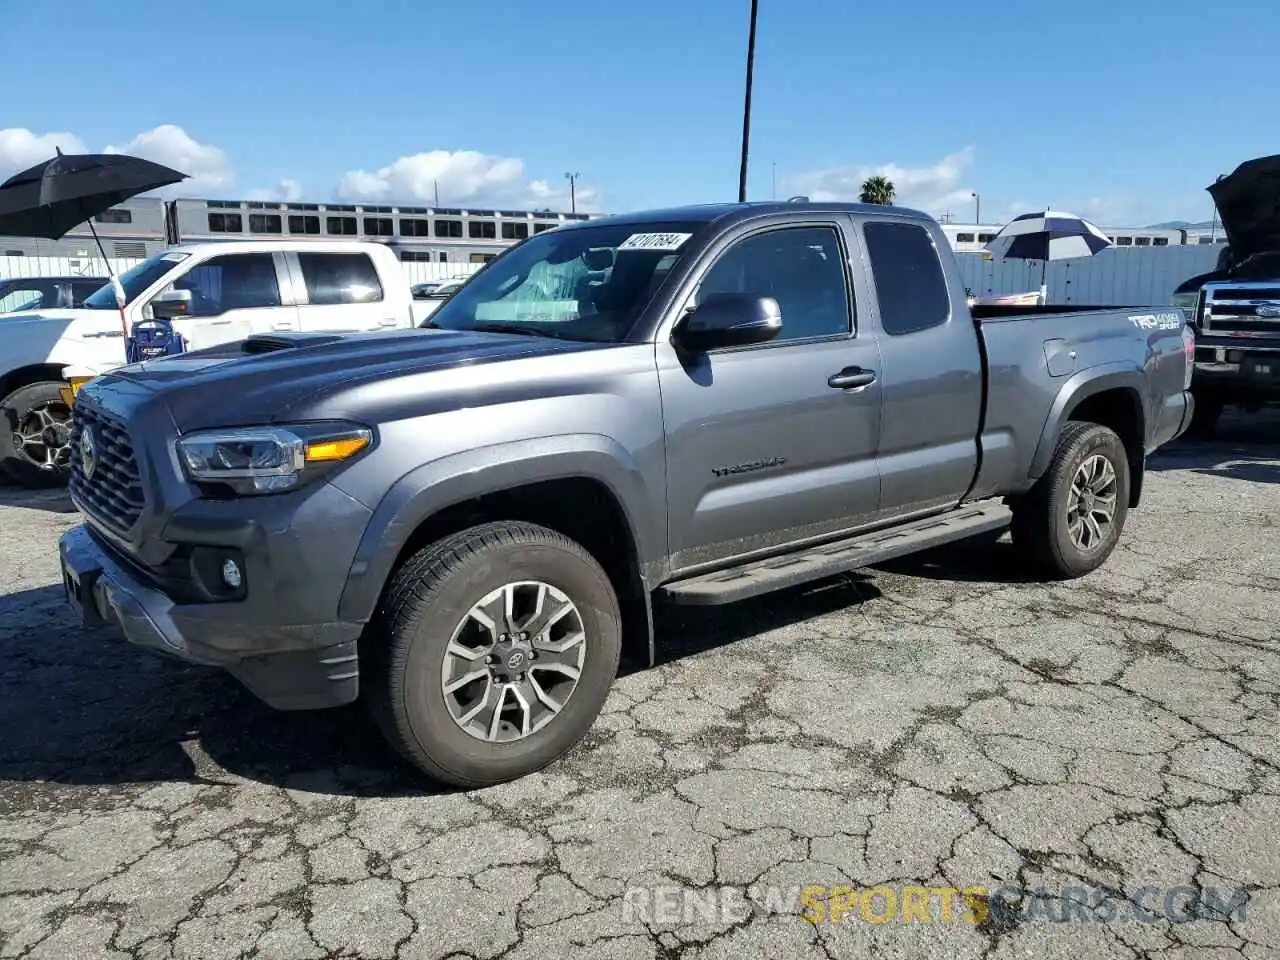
(16, 412)
(428, 599)
(1044, 520)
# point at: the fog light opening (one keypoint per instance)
(231, 574)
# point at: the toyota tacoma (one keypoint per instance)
(468, 524)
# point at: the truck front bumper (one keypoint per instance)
(289, 666)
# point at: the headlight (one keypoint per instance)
(252, 460)
(1187, 301)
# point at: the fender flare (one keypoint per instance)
(432, 487)
(1078, 388)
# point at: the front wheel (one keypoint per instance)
(35, 436)
(1071, 520)
(493, 652)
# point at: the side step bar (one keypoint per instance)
(774, 573)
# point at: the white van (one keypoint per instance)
(214, 293)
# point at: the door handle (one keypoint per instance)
(285, 325)
(851, 377)
(219, 323)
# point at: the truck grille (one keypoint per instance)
(1240, 310)
(113, 492)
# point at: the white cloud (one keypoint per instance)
(463, 177)
(21, 148)
(286, 191)
(934, 189)
(209, 169)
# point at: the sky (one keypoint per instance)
(1119, 112)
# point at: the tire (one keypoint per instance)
(432, 595)
(1042, 526)
(20, 412)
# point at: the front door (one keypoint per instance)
(232, 297)
(763, 450)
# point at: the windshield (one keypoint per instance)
(588, 283)
(134, 281)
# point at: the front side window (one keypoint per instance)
(135, 281)
(334, 278)
(239, 281)
(800, 267)
(583, 284)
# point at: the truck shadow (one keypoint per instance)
(84, 708)
(50, 501)
(1244, 447)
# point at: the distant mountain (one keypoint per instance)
(1181, 225)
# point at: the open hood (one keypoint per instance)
(1248, 201)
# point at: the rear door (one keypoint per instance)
(765, 447)
(342, 292)
(232, 297)
(931, 370)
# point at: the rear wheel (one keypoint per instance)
(1070, 522)
(493, 653)
(35, 436)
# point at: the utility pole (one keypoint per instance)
(746, 107)
(435, 185)
(977, 208)
(573, 193)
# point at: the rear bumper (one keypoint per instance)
(290, 667)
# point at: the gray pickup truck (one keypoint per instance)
(467, 525)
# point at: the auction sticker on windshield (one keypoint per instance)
(654, 241)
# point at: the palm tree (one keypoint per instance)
(879, 190)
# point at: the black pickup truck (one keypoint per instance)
(466, 524)
(1235, 309)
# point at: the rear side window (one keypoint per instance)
(334, 278)
(910, 285)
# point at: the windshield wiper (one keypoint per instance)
(517, 328)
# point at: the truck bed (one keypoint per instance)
(1040, 349)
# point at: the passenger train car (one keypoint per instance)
(143, 226)
(973, 237)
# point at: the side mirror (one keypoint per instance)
(171, 303)
(729, 320)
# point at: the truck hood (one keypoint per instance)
(1248, 202)
(273, 378)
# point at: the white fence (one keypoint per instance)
(1145, 276)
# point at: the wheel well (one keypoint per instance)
(1119, 409)
(582, 509)
(25, 376)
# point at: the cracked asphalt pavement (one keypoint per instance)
(939, 722)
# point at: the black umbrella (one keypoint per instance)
(51, 198)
